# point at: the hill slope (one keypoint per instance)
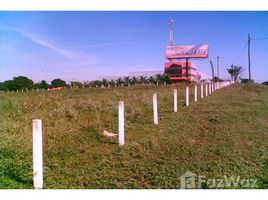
(224, 134)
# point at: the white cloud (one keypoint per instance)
(46, 42)
(103, 45)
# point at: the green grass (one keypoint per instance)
(223, 134)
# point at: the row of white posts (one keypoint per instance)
(37, 127)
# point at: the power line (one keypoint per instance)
(259, 39)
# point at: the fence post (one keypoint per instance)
(209, 88)
(155, 108)
(195, 93)
(187, 96)
(121, 125)
(37, 154)
(206, 88)
(202, 92)
(175, 100)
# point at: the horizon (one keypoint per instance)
(84, 46)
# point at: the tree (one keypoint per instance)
(104, 82)
(143, 79)
(245, 80)
(234, 71)
(152, 79)
(163, 78)
(42, 85)
(119, 81)
(58, 83)
(22, 82)
(134, 80)
(8, 86)
(126, 80)
(76, 84)
(217, 79)
(265, 83)
(112, 82)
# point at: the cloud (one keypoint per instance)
(103, 45)
(41, 40)
(46, 42)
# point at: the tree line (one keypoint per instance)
(25, 83)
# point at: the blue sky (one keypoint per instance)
(84, 46)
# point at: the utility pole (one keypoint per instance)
(249, 70)
(212, 71)
(218, 72)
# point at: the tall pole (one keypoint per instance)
(171, 23)
(187, 72)
(212, 71)
(249, 70)
(218, 70)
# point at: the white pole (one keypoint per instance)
(195, 93)
(175, 100)
(209, 88)
(206, 89)
(37, 154)
(187, 96)
(155, 108)
(212, 87)
(121, 134)
(202, 92)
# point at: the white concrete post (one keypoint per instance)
(37, 154)
(175, 100)
(121, 126)
(209, 88)
(155, 108)
(202, 92)
(187, 96)
(212, 87)
(206, 88)
(195, 93)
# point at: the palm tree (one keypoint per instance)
(104, 82)
(151, 79)
(134, 80)
(126, 80)
(234, 71)
(112, 82)
(143, 79)
(158, 78)
(119, 81)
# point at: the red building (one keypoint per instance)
(175, 68)
(177, 71)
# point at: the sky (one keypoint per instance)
(84, 46)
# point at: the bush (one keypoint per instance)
(245, 80)
(58, 83)
(265, 83)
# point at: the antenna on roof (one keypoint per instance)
(171, 23)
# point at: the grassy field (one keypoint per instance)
(223, 134)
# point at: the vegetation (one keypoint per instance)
(245, 80)
(58, 83)
(18, 83)
(265, 83)
(42, 85)
(234, 71)
(223, 134)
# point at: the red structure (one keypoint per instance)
(177, 71)
(175, 68)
